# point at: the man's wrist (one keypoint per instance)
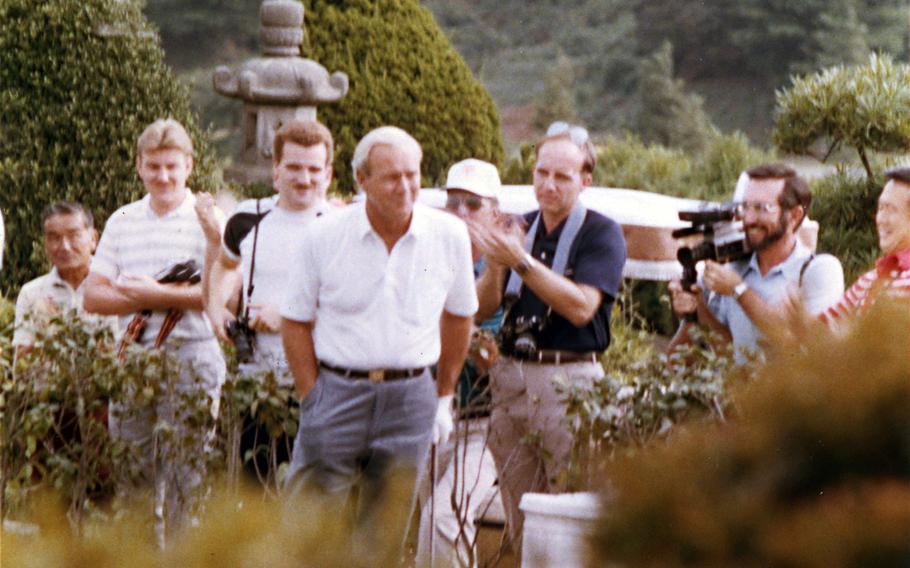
(739, 290)
(524, 265)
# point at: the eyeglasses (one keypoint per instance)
(472, 202)
(577, 134)
(757, 207)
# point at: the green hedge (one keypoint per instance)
(72, 103)
(403, 71)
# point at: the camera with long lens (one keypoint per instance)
(723, 239)
(519, 337)
(243, 337)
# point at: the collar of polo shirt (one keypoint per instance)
(418, 222)
(187, 205)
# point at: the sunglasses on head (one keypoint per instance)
(577, 134)
(471, 202)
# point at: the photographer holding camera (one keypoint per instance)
(557, 285)
(742, 301)
(258, 238)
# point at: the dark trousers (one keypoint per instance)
(261, 452)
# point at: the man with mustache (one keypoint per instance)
(258, 239)
(742, 301)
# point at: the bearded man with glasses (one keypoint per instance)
(556, 278)
(743, 302)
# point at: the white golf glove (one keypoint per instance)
(443, 426)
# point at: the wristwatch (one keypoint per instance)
(525, 265)
(739, 290)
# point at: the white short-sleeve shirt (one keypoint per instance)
(48, 295)
(137, 241)
(374, 308)
(279, 233)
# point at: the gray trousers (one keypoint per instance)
(171, 449)
(529, 436)
(353, 431)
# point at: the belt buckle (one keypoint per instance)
(376, 376)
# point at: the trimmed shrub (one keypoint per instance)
(404, 72)
(814, 471)
(79, 80)
(865, 107)
(666, 113)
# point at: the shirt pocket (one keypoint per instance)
(423, 299)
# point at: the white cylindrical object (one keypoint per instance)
(556, 527)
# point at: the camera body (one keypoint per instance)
(244, 339)
(723, 239)
(519, 338)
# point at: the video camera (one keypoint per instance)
(724, 240)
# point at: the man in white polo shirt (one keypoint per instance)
(378, 293)
(69, 240)
(141, 241)
(258, 238)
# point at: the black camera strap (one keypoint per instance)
(249, 286)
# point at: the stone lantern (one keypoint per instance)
(277, 87)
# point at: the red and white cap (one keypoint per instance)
(475, 176)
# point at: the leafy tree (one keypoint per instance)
(557, 101)
(799, 36)
(403, 71)
(865, 107)
(667, 114)
(79, 80)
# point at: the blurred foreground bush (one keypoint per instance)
(54, 414)
(815, 470)
(235, 529)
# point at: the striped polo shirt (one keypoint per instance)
(138, 241)
(890, 276)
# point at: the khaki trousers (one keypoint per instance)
(530, 438)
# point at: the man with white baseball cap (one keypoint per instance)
(464, 471)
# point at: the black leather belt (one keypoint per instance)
(375, 375)
(556, 357)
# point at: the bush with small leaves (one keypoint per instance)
(864, 107)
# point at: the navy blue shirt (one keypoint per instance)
(596, 258)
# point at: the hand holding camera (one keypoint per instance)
(243, 337)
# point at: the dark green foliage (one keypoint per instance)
(402, 72)
(73, 103)
(220, 27)
(666, 114)
(844, 204)
(512, 45)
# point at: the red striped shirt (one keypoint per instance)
(890, 276)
